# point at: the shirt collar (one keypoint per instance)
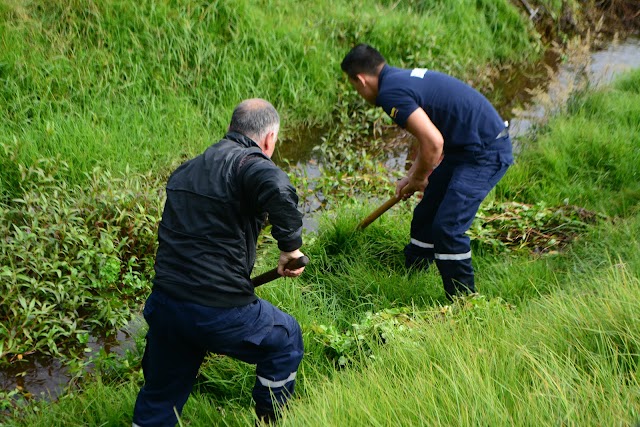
(241, 139)
(385, 69)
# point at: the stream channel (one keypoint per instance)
(532, 95)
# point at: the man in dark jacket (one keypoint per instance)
(448, 118)
(203, 299)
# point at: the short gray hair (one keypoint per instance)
(255, 118)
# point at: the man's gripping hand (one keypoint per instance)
(409, 185)
(285, 257)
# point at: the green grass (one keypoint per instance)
(136, 87)
(553, 340)
(588, 157)
(569, 358)
(567, 355)
(144, 84)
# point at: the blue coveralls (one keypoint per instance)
(180, 335)
(477, 154)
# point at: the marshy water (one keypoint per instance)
(527, 97)
(538, 91)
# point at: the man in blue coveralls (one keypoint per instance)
(447, 117)
(202, 298)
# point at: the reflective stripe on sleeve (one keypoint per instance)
(421, 244)
(453, 257)
(275, 384)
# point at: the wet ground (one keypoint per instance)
(529, 95)
(598, 68)
(46, 378)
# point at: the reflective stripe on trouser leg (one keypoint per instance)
(457, 275)
(419, 252)
(276, 372)
(265, 382)
(452, 245)
(469, 185)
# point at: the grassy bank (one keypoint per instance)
(103, 98)
(587, 158)
(552, 340)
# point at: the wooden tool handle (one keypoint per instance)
(270, 275)
(382, 209)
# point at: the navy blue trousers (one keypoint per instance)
(449, 204)
(180, 335)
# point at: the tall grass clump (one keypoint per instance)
(99, 404)
(569, 358)
(587, 156)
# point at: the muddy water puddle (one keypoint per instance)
(534, 88)
(47, 378)
(574, 73)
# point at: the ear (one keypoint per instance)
(269, 143)
(360, 80)
(272, 138)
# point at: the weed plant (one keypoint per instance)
(76, 261)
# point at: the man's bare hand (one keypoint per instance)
(409, 185)
(285, 257)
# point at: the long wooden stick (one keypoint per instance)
(270, 275)
(382, 209)
(385, 207)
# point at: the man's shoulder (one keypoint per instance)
(397, 82)
(255, 158)
(395, 89)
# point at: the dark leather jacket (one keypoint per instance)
(216, 206)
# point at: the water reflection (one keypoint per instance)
(47, 378)
(41, 378)
(598, 68)
(618, 58)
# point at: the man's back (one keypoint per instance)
(463, 115)
(207, 237)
